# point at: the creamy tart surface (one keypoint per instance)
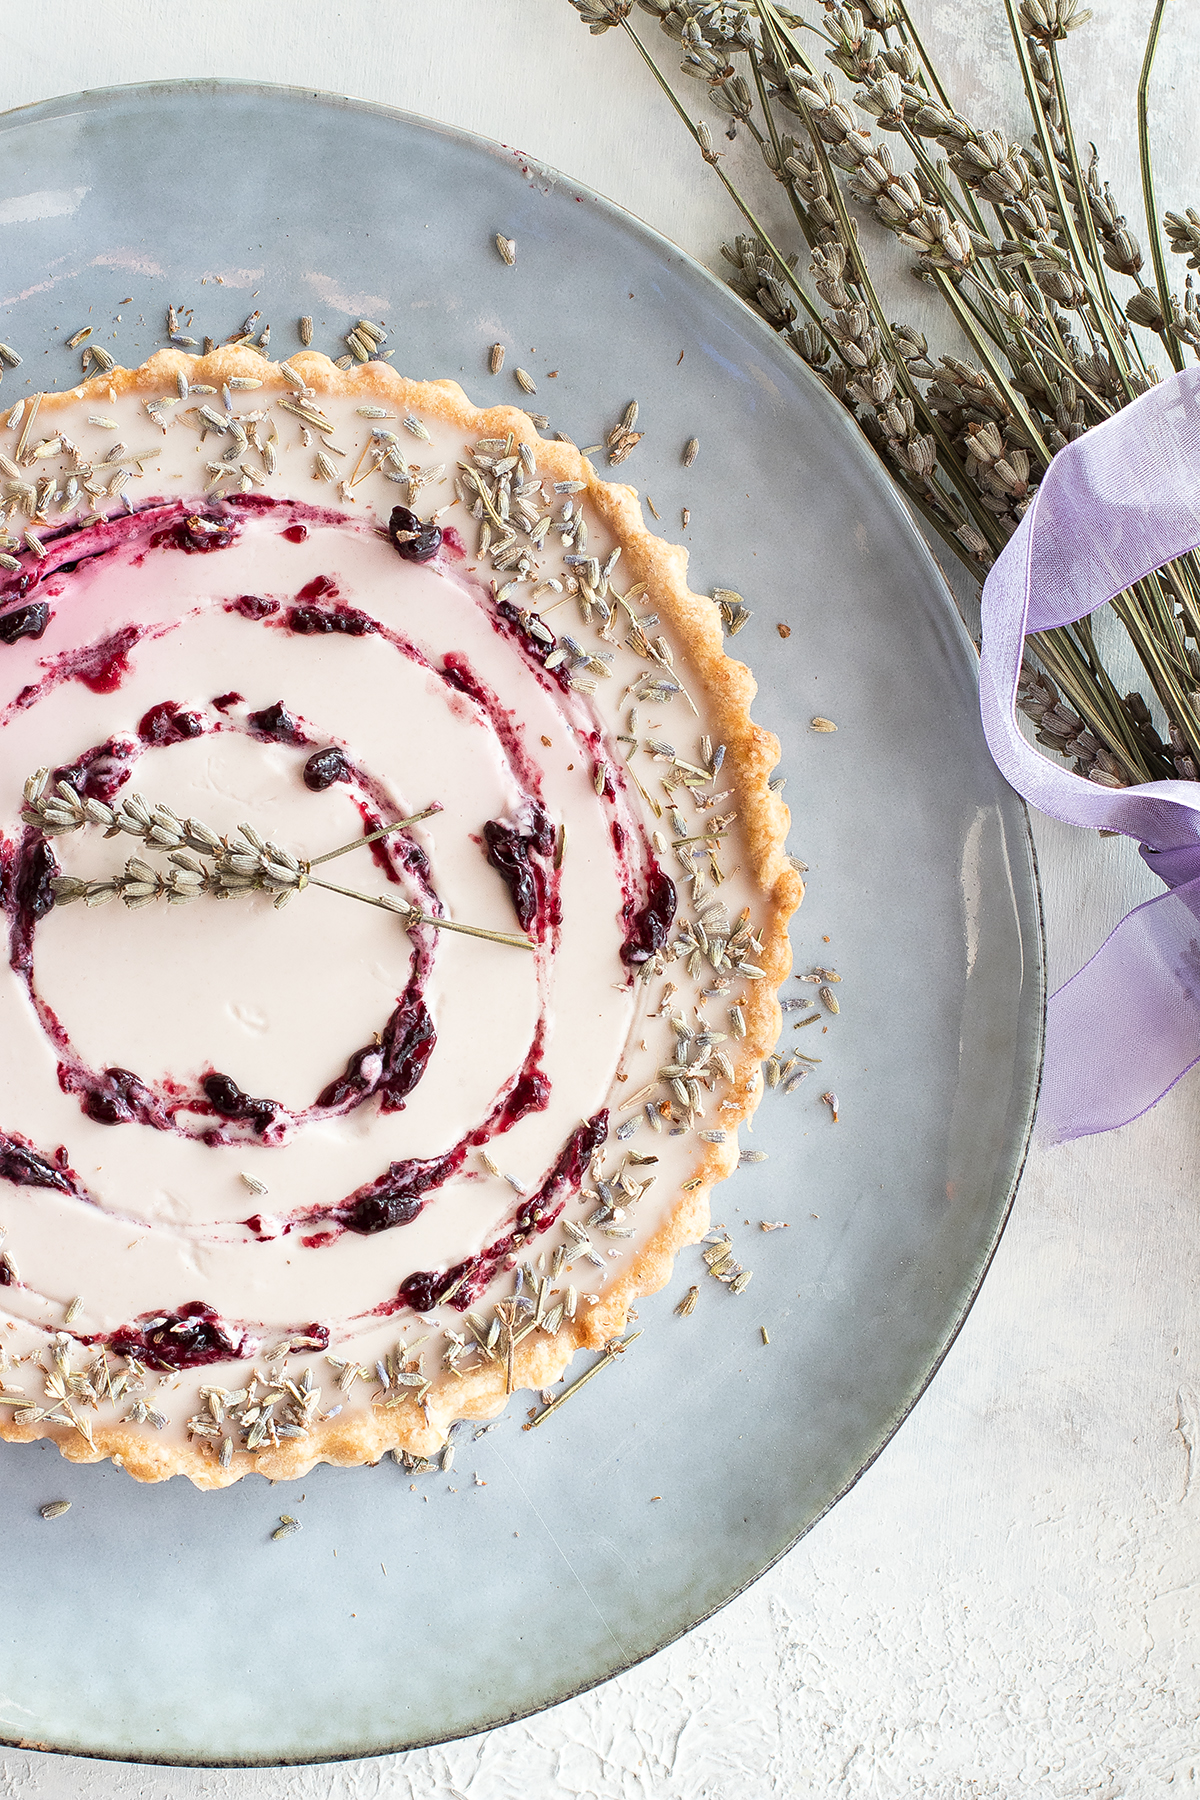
(306, 1156)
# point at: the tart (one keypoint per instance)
(287, 1177)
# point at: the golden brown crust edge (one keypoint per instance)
(751, 756)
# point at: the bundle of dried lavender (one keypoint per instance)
(1022, 241)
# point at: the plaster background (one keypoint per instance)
(1008, 1601)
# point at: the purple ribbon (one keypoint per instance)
(1115, 505)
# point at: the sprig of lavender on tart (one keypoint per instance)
(200, 861)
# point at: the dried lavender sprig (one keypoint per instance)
(902, 105)
(944, 244)
(373, 836)
(1184, 234)
(805, 94)
(703, 140)
(1147, 167)
(999, 463)
(614, 1348)
(985, 162)
(241, 863)
(1065, 212)
(140, 884)
(1147, 611)
(60, 809)
(784, 271)
(241, 868)
(414, 916)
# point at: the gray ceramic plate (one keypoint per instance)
(163, 1624)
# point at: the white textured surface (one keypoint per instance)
(1009, 1601)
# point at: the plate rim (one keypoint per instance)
(1031, 933)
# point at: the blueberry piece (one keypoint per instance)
(323, 768)
(421, 1290)
(25, 1168)
(35, 873)
(647, 927)
(27, 622)
(226, 1097)
(414, 541)
(276, 722)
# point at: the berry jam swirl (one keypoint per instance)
(216, 1107)
(381, 936)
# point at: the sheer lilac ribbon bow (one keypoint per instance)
(1116, 504)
